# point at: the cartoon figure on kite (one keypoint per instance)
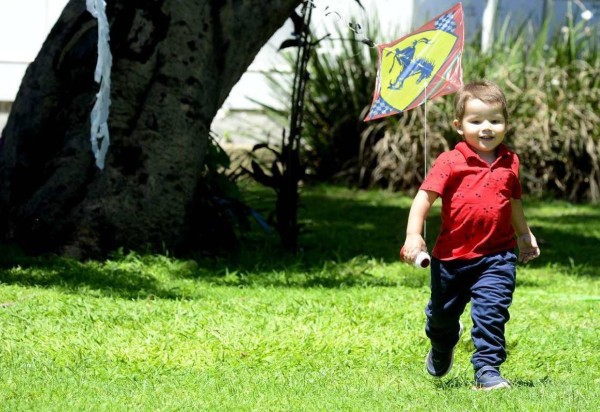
(410, 66)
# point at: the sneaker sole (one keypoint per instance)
(501, 385)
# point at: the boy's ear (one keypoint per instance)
(458, 125)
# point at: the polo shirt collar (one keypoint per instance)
(468, 152)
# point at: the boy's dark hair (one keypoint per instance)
(483, 90)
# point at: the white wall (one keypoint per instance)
(24, 25)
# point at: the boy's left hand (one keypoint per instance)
(528, 247)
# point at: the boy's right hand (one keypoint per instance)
(412, 246)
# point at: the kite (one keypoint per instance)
(421, 65)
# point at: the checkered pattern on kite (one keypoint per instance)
(446, 23)
(380, 107)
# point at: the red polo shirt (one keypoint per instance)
(476, 211)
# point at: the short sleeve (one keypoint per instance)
(438, 175)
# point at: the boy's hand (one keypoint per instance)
(412, 246)
(528, 247)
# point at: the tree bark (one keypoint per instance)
(174, 63)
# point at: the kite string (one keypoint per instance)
(425, 157)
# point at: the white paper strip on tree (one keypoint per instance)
(99, 118)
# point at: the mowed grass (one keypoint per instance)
(338, 327)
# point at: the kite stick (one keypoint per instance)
(425, 157)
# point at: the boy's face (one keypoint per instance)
(483, 126)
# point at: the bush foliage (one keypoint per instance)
(552, 83)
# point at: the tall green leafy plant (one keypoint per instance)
(552, 82)
(342, 74)
(287, 169)
(340, 92)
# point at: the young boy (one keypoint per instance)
(473, 257)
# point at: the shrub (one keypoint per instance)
(552, 83)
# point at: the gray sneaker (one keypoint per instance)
(489, 378)
(440, 363)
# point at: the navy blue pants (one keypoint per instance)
(488, 283)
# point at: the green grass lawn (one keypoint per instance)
(338, 327)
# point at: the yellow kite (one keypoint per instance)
(421, 65)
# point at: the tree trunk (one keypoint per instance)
(174, 63)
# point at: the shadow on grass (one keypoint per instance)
(529, 383)
(73, 276)
(338, 229)
(346, 240)
(572, 251)
(569, 238)
(452, 383)
(464, 383)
